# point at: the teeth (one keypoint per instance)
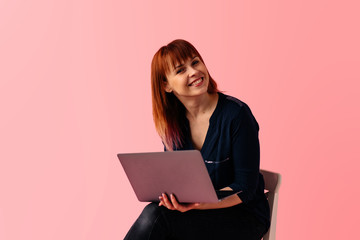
(196, 82)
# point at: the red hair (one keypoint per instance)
(168, 111)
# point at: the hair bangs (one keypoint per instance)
(177, 52)
(179, 55)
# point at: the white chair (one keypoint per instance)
(272, 185)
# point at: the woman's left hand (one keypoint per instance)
(172, 204)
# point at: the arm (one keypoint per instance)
(227, 202)
(246, 154)
(172, 204)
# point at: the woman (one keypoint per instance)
(190, 113)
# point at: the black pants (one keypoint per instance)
(158, 223)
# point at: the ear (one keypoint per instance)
(167, 87)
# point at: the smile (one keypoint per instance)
(197, 82)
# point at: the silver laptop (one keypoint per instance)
(182, 173)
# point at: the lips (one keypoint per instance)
(196, 82)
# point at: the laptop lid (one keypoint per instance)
(182, 173)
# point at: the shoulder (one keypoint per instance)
(232, 105)
(235, 109)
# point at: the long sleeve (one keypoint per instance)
(246, 154)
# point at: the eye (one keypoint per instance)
(195, 62)
(180, 70)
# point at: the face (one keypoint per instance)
(188, 79)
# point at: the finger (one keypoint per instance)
(161, 203)
(181, 207)
(174, 202)
(167, 203)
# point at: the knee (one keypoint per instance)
(145, 223)
(149, 215)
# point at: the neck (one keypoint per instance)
(200, 105)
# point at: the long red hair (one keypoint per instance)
(168, 111)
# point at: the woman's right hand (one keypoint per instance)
(173, 204)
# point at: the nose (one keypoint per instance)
(192, 71)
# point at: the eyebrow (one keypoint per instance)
(183, 64)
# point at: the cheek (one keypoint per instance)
(176, 82)
(206, 73)
(204, 70)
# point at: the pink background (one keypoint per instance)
(75, 91)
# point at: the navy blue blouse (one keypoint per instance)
(232, 154)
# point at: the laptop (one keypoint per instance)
(182, 173)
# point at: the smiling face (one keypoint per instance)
(187, 79)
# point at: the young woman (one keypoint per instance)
(190, 113)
